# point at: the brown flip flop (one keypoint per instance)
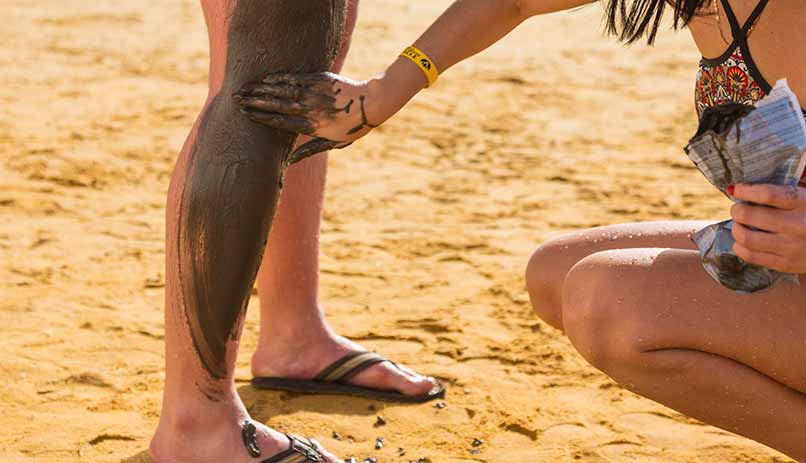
(333, 380)
(301, 449)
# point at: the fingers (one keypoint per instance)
(760, 241)
(782, 197)
(790, 222)
(294, 124)
(292, 87)
(283, 91)
(763, 259)
(300, 80)
(273, 105)
(315, 146)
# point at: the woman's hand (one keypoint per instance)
(335, 110)
(782, 244)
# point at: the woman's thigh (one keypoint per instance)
(622, 303)
(551, 262)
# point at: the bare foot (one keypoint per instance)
(213, 432)
(305, 355)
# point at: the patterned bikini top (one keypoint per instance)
(734, 76)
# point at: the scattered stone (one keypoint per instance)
(351, 460)
(477, 442)
(401, 452)
(381, 421)
(370, 460)
(440, 405)
(475, 451)
(379, 443)
(336, 435)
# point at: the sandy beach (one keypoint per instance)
(428, 227)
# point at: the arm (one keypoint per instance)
(340, 110)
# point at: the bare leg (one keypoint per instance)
(656, 323)
(295, 340)
(221, 204)
(552, 261)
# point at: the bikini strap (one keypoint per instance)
(740, 33)
(753, 19)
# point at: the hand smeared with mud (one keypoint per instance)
(326, 106)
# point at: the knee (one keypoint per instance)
(602, 324)
(544, 280)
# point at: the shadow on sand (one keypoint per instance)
(263, 405)
(141, 457)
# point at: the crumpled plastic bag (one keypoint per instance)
(736, 143)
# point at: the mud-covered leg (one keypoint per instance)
(220, 207)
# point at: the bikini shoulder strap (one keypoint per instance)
(735, 28)
(740, 33)
(751, 21)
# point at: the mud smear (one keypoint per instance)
(235, 169)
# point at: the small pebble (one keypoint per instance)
(379, 443)
(351, 460)
(477, 442)
(336, 435)
(441, 405)
(475, 451)
(370, 460)
(400, 452)
(381, 421)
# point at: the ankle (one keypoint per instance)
(295, 333)
(183, 415)
(297, 355)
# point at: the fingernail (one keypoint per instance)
(731, 189)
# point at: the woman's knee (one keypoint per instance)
(603, 325)
(545, 273)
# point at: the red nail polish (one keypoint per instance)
(731, 189)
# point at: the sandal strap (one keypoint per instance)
(348, 366)
(302, 450)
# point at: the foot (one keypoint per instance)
(305, 356)
(212, 432)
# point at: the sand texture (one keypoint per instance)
(428, 227)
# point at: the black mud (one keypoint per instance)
(234, 174)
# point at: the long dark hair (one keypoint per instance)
(632, 19)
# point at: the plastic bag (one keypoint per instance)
(761, 144)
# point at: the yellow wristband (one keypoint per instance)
(424, 62)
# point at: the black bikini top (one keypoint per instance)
(734, 76)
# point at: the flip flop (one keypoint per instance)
(334, 380)
(301, 449)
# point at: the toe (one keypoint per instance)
(386, 376)
(329, 457)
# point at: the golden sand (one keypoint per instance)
(429, 225)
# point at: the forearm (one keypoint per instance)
(466, 28)
(337, 110)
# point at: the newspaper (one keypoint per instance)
(764, 144)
